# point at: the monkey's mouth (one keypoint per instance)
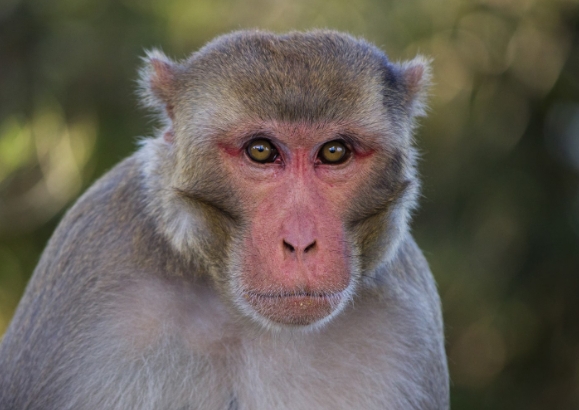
(294, 308)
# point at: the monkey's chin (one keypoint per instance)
(300, 309)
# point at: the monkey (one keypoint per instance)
(255, 253)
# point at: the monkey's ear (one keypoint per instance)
(158, 81)
(416, 75)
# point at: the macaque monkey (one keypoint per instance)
(255, 255)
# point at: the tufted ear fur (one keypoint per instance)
(158, 80)
(158, 86)
(416, 76)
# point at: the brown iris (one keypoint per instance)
(261, 150)
(333, 152)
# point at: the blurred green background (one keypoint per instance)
(499, 219)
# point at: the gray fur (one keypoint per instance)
(132, 304)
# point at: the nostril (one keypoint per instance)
(310, 247)
(289, 247)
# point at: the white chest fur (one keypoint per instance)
(183, 350)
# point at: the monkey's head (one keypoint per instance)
(286, 168)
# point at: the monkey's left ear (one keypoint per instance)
(416, 76)
(158, 81)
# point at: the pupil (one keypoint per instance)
(260, 148)
(332, 150)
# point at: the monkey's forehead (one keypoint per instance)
(314, 47)
(296, 76)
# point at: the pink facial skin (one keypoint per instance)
(297, 261)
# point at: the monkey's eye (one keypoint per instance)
(333, 152)
(261, 150)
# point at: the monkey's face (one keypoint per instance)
(296, 153)
(297, 183)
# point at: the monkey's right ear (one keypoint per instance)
(158, 81)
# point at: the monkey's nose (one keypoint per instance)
(295, 248)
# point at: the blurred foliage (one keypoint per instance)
(500, 213)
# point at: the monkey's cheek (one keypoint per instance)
(294, 310)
